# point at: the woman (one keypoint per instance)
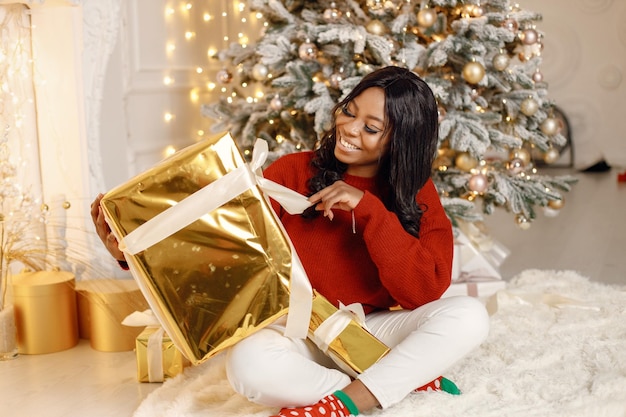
(376, 234)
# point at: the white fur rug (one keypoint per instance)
(557, 347)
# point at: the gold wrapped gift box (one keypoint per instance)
(350, 345)
(102, 305)
(158, 359)
(224, 272)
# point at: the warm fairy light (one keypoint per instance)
(170, 47)
(169, 151)
(169, 11)
(259, 94)
(250, 100)
(224, 14)
(229, 100)
(207, 17)
(200, 132)
(259, 15)
(168, 117)
(194, 95)
(190, 35)
(188, 6)
(241, 7)
(167, 80)
(211, 52)
(210, 86)
(199, 70)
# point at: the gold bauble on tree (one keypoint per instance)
(550, 126)
(529, 106)
(556, 204)
(521, 154)
(551, 156)
(426, 17)
(522, 222)
(307, 51)
(465, 161)
(473, 72)
(501, 61)
(376, 27)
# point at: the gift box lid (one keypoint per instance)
(42, 283)
(108, 291)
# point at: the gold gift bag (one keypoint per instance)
(157, 357)
(102, 305)
(206, 248)
(45, 311)
(341, 334)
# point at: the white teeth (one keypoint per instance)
(346, 144)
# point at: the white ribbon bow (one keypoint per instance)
(332, 327)
(154, 352)
(217, 194)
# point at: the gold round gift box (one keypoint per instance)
(102, 306)
(45, 311)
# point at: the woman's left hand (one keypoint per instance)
(336, 196)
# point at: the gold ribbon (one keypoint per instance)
(217, 194)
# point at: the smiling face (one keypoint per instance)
(361, 136)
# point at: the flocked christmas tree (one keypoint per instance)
(480, 57)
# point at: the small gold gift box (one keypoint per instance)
(102, 305)
(157, 357)
(353, 349)
(206, 249)
(45, 311)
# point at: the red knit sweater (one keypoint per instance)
(381, 265)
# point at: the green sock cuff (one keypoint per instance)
(347, 401)
(449, 387)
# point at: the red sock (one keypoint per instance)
(334, 405)
(441, 384)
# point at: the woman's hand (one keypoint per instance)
(336, 196)
(104, 231)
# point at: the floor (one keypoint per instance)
(587, 236)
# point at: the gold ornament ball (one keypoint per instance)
(332, 15)
(66, 205)
(550, 126)
(501, 61)
(426, 17)
(515, 166)
(522, 222)
(224, 76)
(276, 103)
(556, 204)
(511, 25)
(551, 156)
(521, 154)
(465, 161)
(307, 51)
(376, 27)
(473, 72)
(529, 106)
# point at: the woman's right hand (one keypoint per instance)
(104, 231)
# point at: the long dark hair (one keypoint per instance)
(412, 120)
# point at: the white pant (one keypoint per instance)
(271, 369)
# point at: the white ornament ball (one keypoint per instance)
(335, 79)
(529, 36)
(276, 103)
(426, 17)
(307, 51)
(551, 156)
(537, 76)
(478, 183)
(473, 72)
(550, 126)
(259, 72)
(501, 62)
(529, 106)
